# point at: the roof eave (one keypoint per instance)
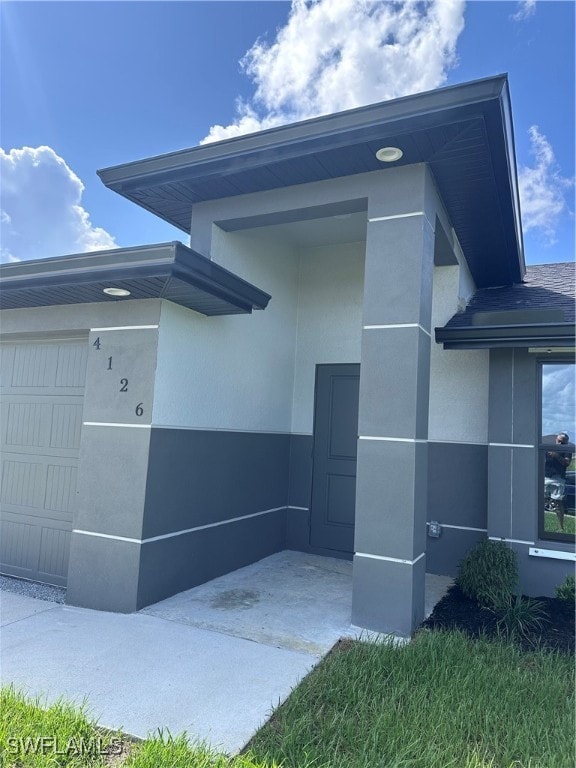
(81, 278)
(493, 336)
(412, 106)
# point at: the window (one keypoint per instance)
(557, 451)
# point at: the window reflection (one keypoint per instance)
(557, 451)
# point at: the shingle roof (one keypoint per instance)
(545, 287)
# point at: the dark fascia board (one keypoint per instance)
(164, 260)
(492, 336)
(487, 99)
(284, 142)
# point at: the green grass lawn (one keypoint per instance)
(552, 525)
(441, 701)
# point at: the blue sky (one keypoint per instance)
(86, 85)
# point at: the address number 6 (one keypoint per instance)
(139, 410)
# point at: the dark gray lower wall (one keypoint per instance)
(457, 483)
(201, 477)
(181, 562)
(299, 493)
(444, 554)
(457, 496)
(539, 576)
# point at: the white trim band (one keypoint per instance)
(510, 445)
(397, 216)
(393, 439)
(114, 424)
(390, 559)
(555, 554)
(511, 541)
(173, 534)
(107, 536)
(302, 509)
(124, 328)
(396, 325)
(461, 527)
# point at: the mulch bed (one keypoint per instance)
(456, 611)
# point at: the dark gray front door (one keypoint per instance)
(335, 440)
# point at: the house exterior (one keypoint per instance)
(346, 360)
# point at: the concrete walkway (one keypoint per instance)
(213, 661)
(139, 673)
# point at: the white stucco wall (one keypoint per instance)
(234, 372)
(257, 372)
(330, 292)
(458, 378)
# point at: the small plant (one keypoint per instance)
(567, 590)
(518, 617)
(488, 573)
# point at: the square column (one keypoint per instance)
(106, 543)
(392, 469)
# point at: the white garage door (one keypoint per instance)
(42, 392)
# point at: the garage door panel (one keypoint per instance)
(58, 520)
(60, 488)
(54, 554)
(34, 365)
(32, 427)
(27, 424)
(23, 484)
(71, 368)
(66, 426)
(19, 548)
(42, 409)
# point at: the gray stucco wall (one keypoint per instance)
(513, 471)
(457, 499)
(215, 501)
(104, 562)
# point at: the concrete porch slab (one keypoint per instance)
(290, 600)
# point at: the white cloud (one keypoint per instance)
(542, 189)
(524, 10)
(559, 400)
(339, 54)
(41, 213)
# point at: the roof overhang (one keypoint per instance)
(166, 271)
(492, 336)
(464, 133)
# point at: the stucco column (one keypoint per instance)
(391, 491)
(106, 543)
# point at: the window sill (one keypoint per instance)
(554, 554)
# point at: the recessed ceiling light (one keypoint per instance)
(116, 291)
(389, 154)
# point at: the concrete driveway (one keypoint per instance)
(213, 661)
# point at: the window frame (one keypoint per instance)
(541, 448)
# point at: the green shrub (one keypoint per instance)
(567, 590)
(488, 573)
(519, 617)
